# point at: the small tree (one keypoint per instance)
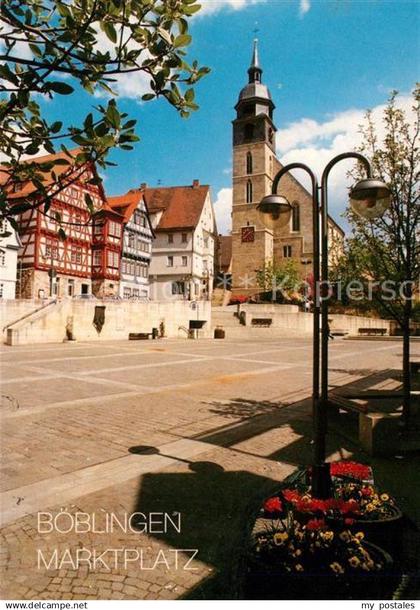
(279, 278)
(51, 47)
(384, 254)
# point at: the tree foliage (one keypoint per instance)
(280, 278)
(385, 252)
(52, 48)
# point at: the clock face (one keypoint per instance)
(248, 234)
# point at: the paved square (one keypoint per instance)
(190, 427)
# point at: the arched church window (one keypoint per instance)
(249, 163)
(249, 191)
(295, 216)
(249, 131)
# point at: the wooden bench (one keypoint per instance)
(139, 336)
(348, 404)
(261, 322)
(372, 331)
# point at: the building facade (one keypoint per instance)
(49, 266)
(9, 246)
(254, 166)
(183, 221)
(137, 244)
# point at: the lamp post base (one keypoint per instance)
(321, 481)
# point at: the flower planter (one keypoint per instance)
(268, 581)
(385, 532)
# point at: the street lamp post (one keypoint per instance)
(368, 198)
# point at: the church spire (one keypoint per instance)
(254, 70)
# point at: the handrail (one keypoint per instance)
(31, 313)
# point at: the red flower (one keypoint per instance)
(291, 496)
(348, 521)
(352, 469)
(315, 524)
(349, 507)
(273, 505)
(366, 492)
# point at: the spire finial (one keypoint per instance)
(254, 70)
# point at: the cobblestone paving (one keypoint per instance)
(198, 430)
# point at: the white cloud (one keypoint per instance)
(304, 7)
(223, 209)
(317, 142)
(214, 6)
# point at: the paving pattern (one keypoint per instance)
(191, 430)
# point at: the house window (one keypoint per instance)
(51, 249)
(112, 259)
(97, 258)
(249, 191)
(184, 261)
(287, 251)
(2, 258)
(98, 228)
(249, 163)
(1, 291)
(126, 292)
(79, 254)
(170, 261)
(184, 238)
(70, 288)
(136, 218)
(178, 287)
(170, 238)
(295, 217)
(136, 293)
(114, 229)
(131, 240)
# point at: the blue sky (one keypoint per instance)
(325, 62)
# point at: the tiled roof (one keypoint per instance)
(126, 204)
(181, 206)
(29, 188)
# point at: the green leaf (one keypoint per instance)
(110, 31)
(182, 41)
(60, 87)
(89, 203)
(56, 127)
(148, 96)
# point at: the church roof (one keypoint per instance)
(181, 206)
(254, 88)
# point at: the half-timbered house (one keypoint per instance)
(48, 265)
(137, 244)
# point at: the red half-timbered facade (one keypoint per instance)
(49, 266)
(106, 251)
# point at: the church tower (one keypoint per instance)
(254, 164)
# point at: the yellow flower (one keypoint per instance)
(359, 535)
(384, 497)
(370, 507)
(329, 535)
(354, 561)
(336, 567)
(299, 567)
(280, 538)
